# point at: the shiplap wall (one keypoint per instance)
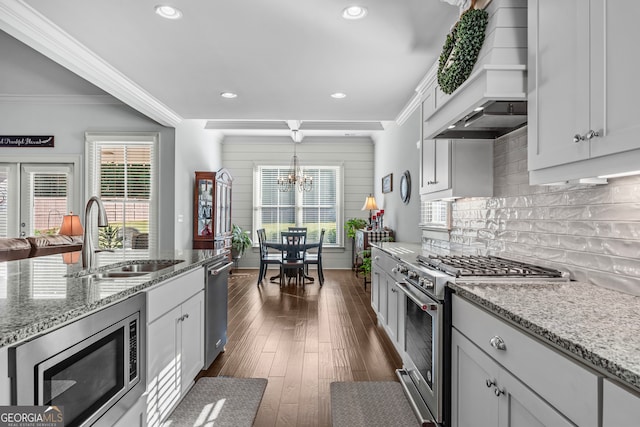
(593, 232)
(240, 154)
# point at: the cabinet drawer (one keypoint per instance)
(620, 407)
(568, 386)
(382, 260)
(173, 292)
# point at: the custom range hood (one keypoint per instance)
(493, 100)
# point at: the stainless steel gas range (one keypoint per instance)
(426, 356)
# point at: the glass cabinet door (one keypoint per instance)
(205, 207)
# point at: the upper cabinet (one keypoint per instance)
(212, 210)
(582, 90)
(456, 168)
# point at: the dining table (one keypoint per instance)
(280, 246)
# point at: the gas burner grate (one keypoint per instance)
(471, 265)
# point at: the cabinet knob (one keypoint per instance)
(497, 391)
(498, 343)
(577, 138)
(490, 382)
(591, 134)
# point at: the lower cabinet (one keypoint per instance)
(175, 343)
(620, 406)
(500, 376)
(485, 394)
(387, 301)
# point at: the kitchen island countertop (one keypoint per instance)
(39, 297)
(597, 326)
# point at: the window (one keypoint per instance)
(122, 172)
(435, 215)
(319, 208)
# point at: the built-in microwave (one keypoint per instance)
(93, 367)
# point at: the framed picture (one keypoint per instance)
(387, 183)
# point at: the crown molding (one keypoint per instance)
(418, 96)
(30, 27)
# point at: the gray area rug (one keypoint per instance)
(219, 401)
(370, 403)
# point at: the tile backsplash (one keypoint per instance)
(591, 231)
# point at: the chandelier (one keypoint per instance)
(295, 177)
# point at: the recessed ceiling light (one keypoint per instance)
(354, 12)
(229, 95)
(338, 95)
(168, 12)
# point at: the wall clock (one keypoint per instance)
(405, 187)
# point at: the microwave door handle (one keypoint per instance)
(424, 306)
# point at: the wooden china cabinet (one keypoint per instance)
(212, 210)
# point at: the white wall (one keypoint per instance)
(197, 149)
(396, 152)
(241, 154)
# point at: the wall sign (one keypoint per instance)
(26, 141)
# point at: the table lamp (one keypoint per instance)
(370, 205)
(71, 226)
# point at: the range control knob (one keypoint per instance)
(412, 275)
(425, 283)
(402, 269)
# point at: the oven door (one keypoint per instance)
(423, 350)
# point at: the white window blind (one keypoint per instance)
(319, 208)
(435, 214)
(124, 175)
(4, 201)
(48, 192)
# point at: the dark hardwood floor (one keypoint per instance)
(301, 341)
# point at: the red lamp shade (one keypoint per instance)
(71, 225)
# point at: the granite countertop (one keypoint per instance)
(597, 326)
(39, 295)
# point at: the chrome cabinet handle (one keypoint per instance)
(490, 382)
(394, 290)
(577, 138)
(591, 134)
(497, 391)
(498, 343)
(432, 182)
(183, 317)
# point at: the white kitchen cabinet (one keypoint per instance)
(175, 342)
(456, 168)
(620, 406)
(5, 391)
(390, 302)
(486, 394)
(537, 381)
(135, 416)
(582, 89)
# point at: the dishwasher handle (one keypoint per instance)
(214, 270)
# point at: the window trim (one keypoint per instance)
(92, 138)
(339, 197)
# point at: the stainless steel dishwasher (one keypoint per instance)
(216, 299)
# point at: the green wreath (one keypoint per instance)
(461, 48)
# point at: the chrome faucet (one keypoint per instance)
(88, 248)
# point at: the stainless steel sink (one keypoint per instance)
(127, 270)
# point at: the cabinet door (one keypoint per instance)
(472, 402)
(558, 78)
(375, 290)
(620, 407)
(435, 165)
(614, 87)
(192, 343)
(392, 310)
(163, 366)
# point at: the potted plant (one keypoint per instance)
(354, 224)
(240, 241)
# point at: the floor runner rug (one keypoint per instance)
(219, 401)
(370, 403)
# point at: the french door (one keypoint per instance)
(34, 197)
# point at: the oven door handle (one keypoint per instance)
(424, 305)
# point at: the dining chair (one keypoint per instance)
(316, 258)
(293, 255)
(266, 258)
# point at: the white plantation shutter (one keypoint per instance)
(48, 192)
(319, 208)
(123, 173)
